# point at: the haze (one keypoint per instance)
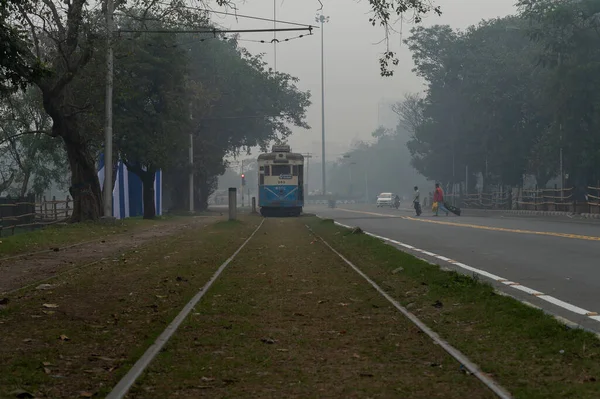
(353, 85)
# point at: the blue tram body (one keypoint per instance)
(280, 182)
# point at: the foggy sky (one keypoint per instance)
(353, 85)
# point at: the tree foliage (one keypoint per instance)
(17, 69)
(166, 86)
(31, 160)
(387, 12)
(239, 104)
(504, 96)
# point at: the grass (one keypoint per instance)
(67, 234)
(528, 352)
(287, 319)
(110, 313)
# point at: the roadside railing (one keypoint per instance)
(593, 199)
(27, 214)
(551, 199)
(493, 200)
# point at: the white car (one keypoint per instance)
(385, 199)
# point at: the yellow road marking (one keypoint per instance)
(490, 228)
(519, 231)
(370, 213)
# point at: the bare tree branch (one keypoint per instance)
(32, 30)
(24, 134)
(57, 21)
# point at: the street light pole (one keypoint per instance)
(562, 179)
(242, 189)
(307, 156)
(108, 134)
(322, 19)
(191, 176)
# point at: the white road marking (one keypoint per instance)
(550, 299)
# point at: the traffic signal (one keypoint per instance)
(243, 180)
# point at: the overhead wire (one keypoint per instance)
(215, 31)
(224, 38)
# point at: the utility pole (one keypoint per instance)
(351, 189)
(562, 180)
(191, 156)
(275, 34)
(108, 136)
(561, 144)
(307, 156)
(242, 188)
(322, 19)
(467, 179)
(191, 182)
(366, 185)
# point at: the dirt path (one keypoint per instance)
(18, 272)
(289, 319)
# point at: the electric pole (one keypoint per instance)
(322, 19)
(307, 156)
(108, 156)
(191, 177)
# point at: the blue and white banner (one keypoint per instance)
(127, 195)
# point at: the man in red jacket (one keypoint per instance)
(438, 196)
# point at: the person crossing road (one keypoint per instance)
(438, 197)
(417, 201)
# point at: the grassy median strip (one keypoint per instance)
(68, 234)
(79, 335)
(289, 319)
(528, 352)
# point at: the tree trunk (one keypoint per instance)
(25, 183)
(148, 194)
(85, 187)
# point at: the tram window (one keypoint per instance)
(261, 180)
(295, 170)
(277, 170)
(267, 171)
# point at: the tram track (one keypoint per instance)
(123, 386)
(251, 294)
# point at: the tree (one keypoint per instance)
(151, 107)
(384, 14)
(569, 33)
(32, 158)
(410, 112)
(483, 108)
(65, 38)
(239, 104)
(16, 69)
(507, 96)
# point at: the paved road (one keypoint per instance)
(558, 257)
